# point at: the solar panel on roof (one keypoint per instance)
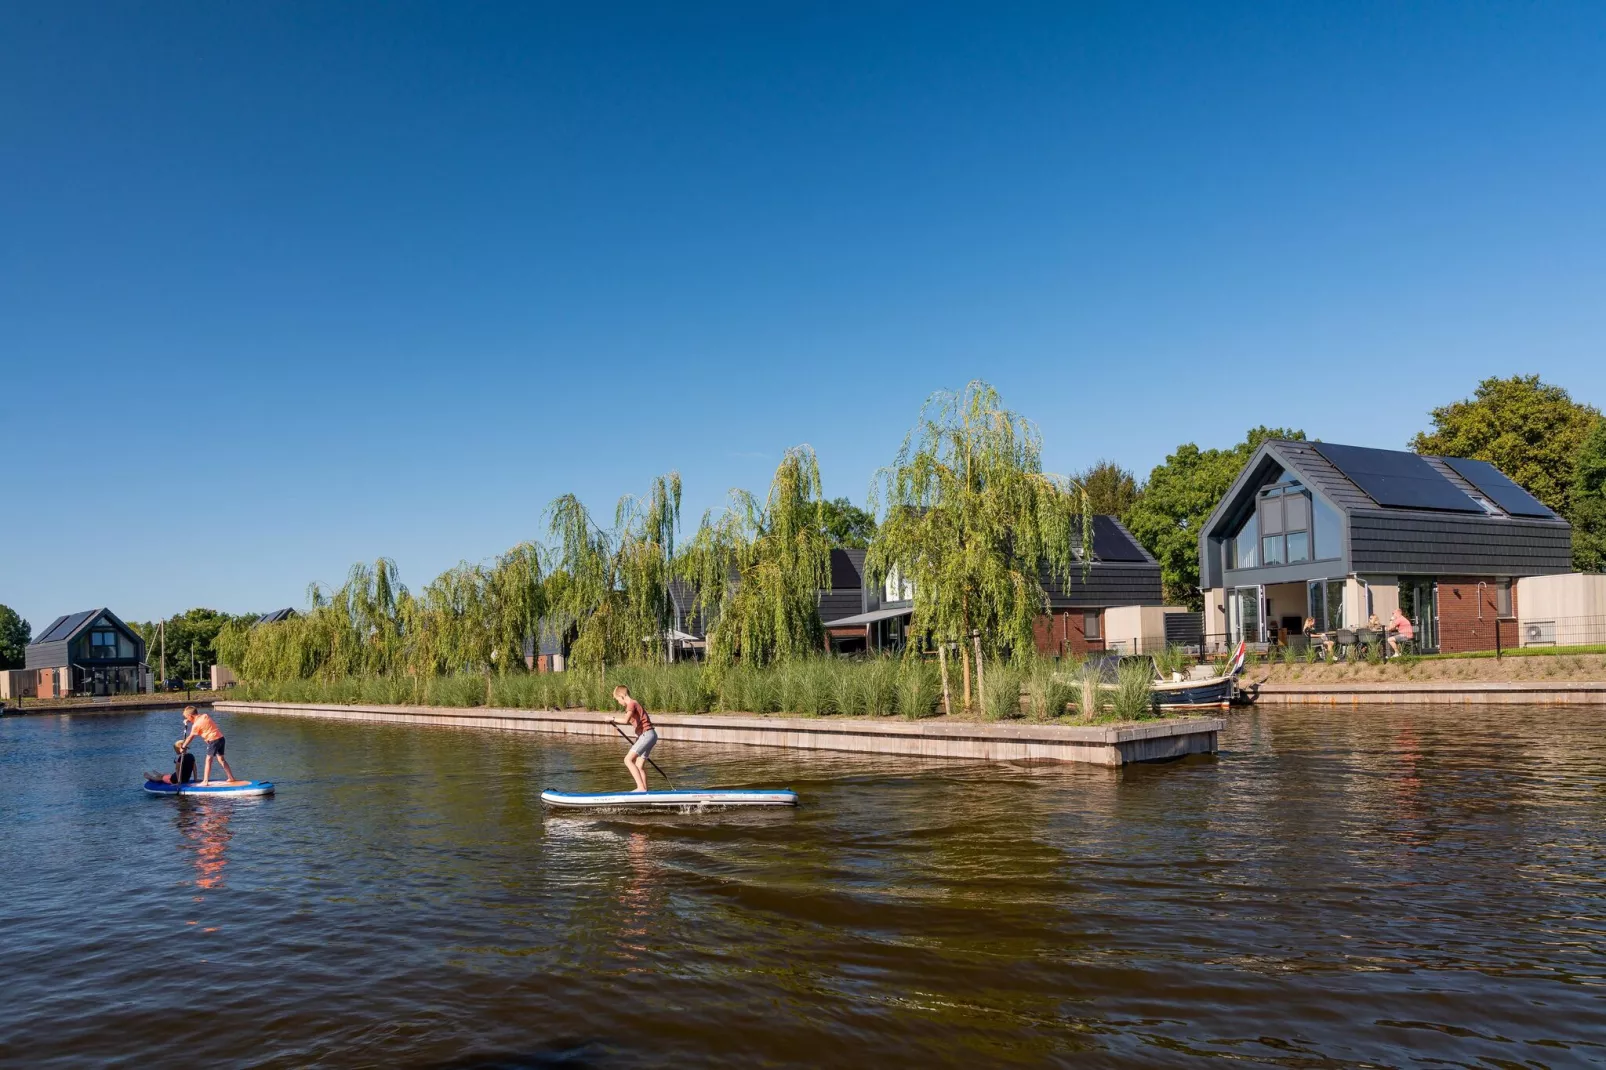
(1497, 487)
(1110, 542)
(1397, 480)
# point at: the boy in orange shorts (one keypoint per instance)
(201, 724)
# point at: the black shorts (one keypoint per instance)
(214, 749)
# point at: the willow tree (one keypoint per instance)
(758, 568)
(613, 586)
(974, 524)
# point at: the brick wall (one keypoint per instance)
(1461, 628)
(1063, 632)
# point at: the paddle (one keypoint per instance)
(650, 762)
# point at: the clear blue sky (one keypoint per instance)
(383, 279)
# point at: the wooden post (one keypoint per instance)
(981, 684)
(942, 665)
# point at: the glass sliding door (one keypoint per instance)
(1246, 615)
(1419, 601)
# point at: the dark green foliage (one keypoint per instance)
(845, 524)
(1179, 497)
(1528, 429)
(192, 640)
(1111, 489)
(1589, 502)
(14, 636)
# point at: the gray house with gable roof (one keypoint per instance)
(1343, 533)
(88, 653)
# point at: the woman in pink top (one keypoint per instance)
(1399, 628)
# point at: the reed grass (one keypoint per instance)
(1133, 697)
(1000, 698)
(810, 687)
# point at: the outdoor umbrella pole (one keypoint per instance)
(650, 762)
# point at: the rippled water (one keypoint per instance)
(1338, 887)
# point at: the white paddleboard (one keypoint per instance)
(717, 797)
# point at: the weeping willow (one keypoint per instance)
(757, 569)
(471, 618)
(973, 522)
(611, 587)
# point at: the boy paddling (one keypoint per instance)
(201, 724)
(646, 735)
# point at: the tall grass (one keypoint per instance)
(1133, 697)
(810, 687)
(1000, 700)
(1050, 689)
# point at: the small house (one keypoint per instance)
(88, 653)
(1345, 533)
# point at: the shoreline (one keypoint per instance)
(1107, 745)
(1440, 692)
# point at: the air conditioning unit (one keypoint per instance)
(1539, 633)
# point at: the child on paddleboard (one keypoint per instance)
(646, 735)
(201, 724)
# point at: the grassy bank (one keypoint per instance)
(1556, 667)
(815, 687)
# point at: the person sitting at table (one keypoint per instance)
(1400, 628)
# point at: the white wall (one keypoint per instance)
(1136, 629)
(1572, 604)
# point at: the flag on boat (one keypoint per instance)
(1239, 656)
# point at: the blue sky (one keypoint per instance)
(359, 279)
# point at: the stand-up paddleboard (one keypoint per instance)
(221, 787)
(718, 797)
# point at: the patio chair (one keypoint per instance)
(1344, 643)
(1298, 643)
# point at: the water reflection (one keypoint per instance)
(204, 832)
(1339, 887)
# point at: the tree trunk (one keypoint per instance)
(942, 665)
(964, 664)
(981, 685)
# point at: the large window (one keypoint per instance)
(103, 644)
(1243, 550)
(1289, 526)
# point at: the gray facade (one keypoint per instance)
(67, 642)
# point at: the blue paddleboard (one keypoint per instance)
(221, 787)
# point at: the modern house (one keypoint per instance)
(1112, 603)
(1343, 533)
(88, 653)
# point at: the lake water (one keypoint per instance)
(1377, 887)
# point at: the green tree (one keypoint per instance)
(1589, 502)
(1528, 429)
(14, 636)
(1111, 489)
(1179, 496)
(615, 584)
(758, 568)
(191, 639)
(846, 525)
(974, 523)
